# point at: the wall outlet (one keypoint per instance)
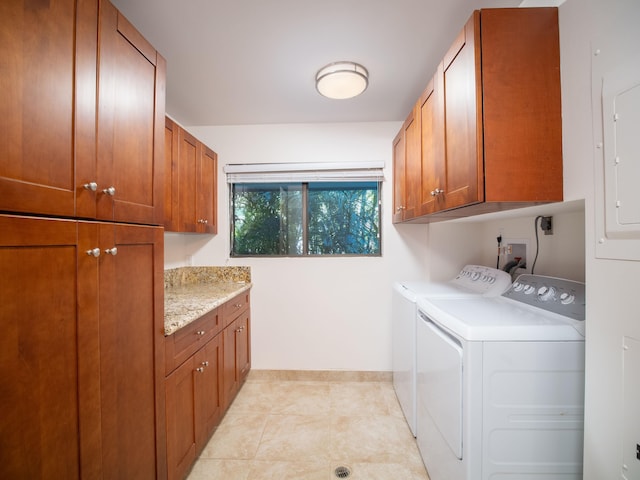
(546, 225)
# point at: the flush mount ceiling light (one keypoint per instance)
(342, 80)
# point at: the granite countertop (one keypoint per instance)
(190, 292)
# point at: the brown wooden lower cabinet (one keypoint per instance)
(39, 349)
(201, 388)
(237, 361)
(81, 352)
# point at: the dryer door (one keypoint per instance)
(440, 368)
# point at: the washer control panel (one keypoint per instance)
(557, 295)
(487, 281)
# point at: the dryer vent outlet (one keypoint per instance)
(517, 252)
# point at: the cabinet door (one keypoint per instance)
(131, 351)
(171, 204)
(209, 399)
(206, 211)
(185, 185)
(47, 106)
(131, 98)
(413, 168)
(243, 350)
(39, 424)
(399, 167)
(237, 356)
(181, 419)
(463, 118)
(432, 143)
(230, 380)
(522, 116)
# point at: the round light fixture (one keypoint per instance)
(342, 80)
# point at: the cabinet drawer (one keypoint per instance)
(186, 341)
(234, 307)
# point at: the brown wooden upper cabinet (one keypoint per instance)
(48, 55)
(399, 180)
(52, 161)
(191, 182)
(489, 121)
(131, 109)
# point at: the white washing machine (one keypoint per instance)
(473, 280)
(500, 383)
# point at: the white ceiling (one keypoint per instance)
(239, 62)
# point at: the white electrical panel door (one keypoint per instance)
(618, 166)
(626, 164)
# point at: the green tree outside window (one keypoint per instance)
(306, 219)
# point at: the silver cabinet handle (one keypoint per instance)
(200, 369)
(94, 252)
(200, 332)
(93, 186)
(205, 363)
(111, 251)
(203, 221)
(111, 191)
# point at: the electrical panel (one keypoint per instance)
(618, 162)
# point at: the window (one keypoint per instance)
(327, 216)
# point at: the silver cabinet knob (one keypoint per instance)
(93, 186)
(205, 363)
(111, 251)
(200, 369)
(203, 221)
(111, 191)
(94, 252)
(200, 333)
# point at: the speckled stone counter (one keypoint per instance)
(190, 292)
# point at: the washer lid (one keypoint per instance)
(472, 281)
(415, 290)
(499, 319)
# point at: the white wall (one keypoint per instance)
(313, 313)
(455, 243)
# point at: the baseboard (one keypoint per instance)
(320, 376)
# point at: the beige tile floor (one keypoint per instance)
(305, 429)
